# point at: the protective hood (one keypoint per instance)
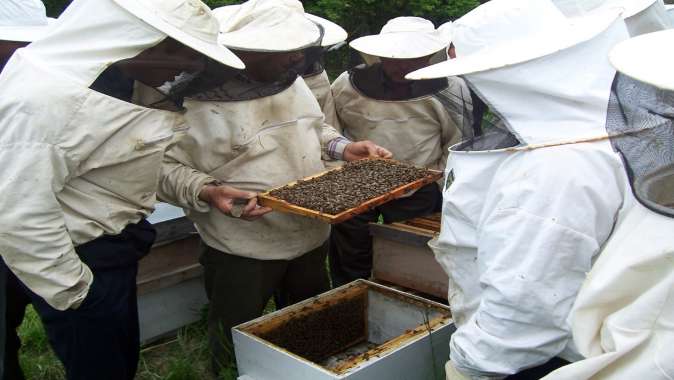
(23, 20)
(268, 26)
(403, 38)
(641, 16)
(537, 90)
(80, 47)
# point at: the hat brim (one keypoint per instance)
(401, 45)
(333, 33)
(647, 58)
(25, 33)
(210, 49)
(532, 47)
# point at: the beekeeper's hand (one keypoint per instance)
(364, 149)
(233, 202)
(453, 373)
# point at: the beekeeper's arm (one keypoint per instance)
(338, 147)
(34, 241)
(549, 214)
(189, 188)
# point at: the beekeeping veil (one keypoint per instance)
(527, 72)
(403, 38)
(641, 118)
(92, 35)
(264, 26)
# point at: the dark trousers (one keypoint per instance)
(351, 243)
(540, 371)
(239, 288)
(100, 340)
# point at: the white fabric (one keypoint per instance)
(641, 16)
(647, 58)
(623, 319)
(522, 225)
(267, 25)
(253, 145)
(419, 131)
(319, 84)
(452, 374)
(501, 33)
(190, 22)
(403, 38)
(76, 163)
(23, 20)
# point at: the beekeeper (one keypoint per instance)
(261, 129)
(641, 16)
(532, 203)
(81, 166)
(623, 318)
(411, 119)
(21, 22)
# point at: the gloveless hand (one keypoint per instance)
(227, 198)
(365, 149)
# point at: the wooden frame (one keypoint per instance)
(266, 200)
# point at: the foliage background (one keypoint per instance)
(358, 17)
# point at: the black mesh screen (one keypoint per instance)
(640, 122)
(494, 131)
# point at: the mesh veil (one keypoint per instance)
(640, 122)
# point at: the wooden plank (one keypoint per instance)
(266, 200)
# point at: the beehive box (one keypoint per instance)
(360, 331)
(170, 279)
(401, 256)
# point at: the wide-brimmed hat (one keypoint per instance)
(507, 32)
(188, 21)
(23, 20)
(404, 38)
(576, 8)
(648, 58)
(274, 26)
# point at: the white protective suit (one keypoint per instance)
(419, 131)
(319, 84)
(522, 225)
(623, 318)
(77, 164)
(253, 145)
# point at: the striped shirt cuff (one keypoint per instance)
(336, 147)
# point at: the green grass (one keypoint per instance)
(185, 357)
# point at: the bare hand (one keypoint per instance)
(365, 149)
(233, 202)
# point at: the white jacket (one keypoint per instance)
(623, 319)
(419, 131)
(253, 145)
(76, 163)
(522, 225)
(319, 84)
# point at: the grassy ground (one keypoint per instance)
(184, 357)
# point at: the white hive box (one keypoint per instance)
(360, 331)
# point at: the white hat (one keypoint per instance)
(23, 20)
(648, 58)
(507, 32)
(575, 8)
(274, 26)
(188, 21)
(403, 38)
